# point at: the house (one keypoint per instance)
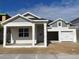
(3, 17)
(75, 23)
(29, 30)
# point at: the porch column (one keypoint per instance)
(33, 35)
(4, 36)
(59, 34)
(12, 39)
(45, 34)
(75, 36)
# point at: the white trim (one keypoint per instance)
(33, 35)
(45, 34)
(75, 35)
(25, 47)
(4, 36)
(59, 35)
(31, 14)
(57, 20)
(12, 41)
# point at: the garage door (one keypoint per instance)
(67, 36)
(52, 36)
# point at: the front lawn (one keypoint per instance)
(65, 47)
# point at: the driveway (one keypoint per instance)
(38, 56)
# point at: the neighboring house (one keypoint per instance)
(3, 17)
(29, 30)
(75, 22)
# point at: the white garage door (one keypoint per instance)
(67, 36)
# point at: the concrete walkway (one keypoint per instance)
(38, 56)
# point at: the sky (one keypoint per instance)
(49, 9)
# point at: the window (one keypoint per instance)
(59, 24)
(23, 32)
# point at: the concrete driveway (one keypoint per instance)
(38, 56)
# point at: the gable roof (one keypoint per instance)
(59, 19)
(28, 13)
(18, 15)
(36, 18)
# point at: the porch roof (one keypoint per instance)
(18, 15)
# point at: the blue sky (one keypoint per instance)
(50, 9)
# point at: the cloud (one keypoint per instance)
(68, 12)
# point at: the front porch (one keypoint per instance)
(26, 45)
(37, 36)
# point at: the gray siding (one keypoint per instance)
(78, 35)
(63, 24)
(54, 24)
(77, 24)
(29, 16)
(75, 21)
(20, 20)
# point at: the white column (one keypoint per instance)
(59, 36)
(12, 41)
(45, 34)
(33, 35)
(75, 35)
(4, 36)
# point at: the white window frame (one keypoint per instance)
(23, 33)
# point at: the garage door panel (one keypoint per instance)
(67, 36)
